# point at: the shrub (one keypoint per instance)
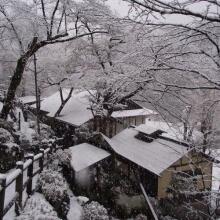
(9, 151)
(54, 187)
(47, 135)
(94, 211)
(61, 158)
(141, 217)
(37, 208)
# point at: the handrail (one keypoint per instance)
(21, 184)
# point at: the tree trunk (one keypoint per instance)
(17, 76)
(63, 101)
(15, 82)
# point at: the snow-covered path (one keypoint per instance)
(75, 211)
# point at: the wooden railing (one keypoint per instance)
(17, 177)
(152, 212)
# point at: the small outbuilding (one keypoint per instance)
(86, 162)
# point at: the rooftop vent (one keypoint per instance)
(144, 137)
(149, 137)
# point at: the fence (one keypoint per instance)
(17, 177)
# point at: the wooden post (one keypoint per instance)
(2, 195)
(19, 187)
(30, 174)
(49, 155)
(41, 160)
(37, 94)
(19, 121)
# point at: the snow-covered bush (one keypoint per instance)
(9, 151)
(37, 208)
(5, 136)
(84, 133)
(46, 134)
(141, 217)
(95, 211)
(54, 187)
(31, 141)
(61, 158)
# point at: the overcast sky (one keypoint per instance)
(119, 6)
(122, 8)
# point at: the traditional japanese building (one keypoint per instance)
(77, 112)
(152, 155)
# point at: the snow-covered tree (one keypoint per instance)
(94, 211)
(35, 24)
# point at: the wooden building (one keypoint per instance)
(77, 112)
(86, 162)
(151, 156)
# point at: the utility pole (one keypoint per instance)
(37, 94)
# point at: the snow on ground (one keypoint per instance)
(26, 131)
(216, 172)
(75, 211)
(38, 207)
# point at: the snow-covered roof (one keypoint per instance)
(171, 131)
(77, 109)
(156, 156)
(85, 155)
(133, 113)
(27, 99)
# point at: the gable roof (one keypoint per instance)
(156, 156)
(85, 155)
(77, 109)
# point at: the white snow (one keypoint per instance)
(26, 131)
(27, 99)
(85, 155)
(75, 212)
(133, 113)
(76, 111)
(216, 172)
(1, 105)
(10, 190)
(12, 176)
(172, 131)
(38, 207)
(156, 156)
(82, 200)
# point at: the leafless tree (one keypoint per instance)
(34, 25)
